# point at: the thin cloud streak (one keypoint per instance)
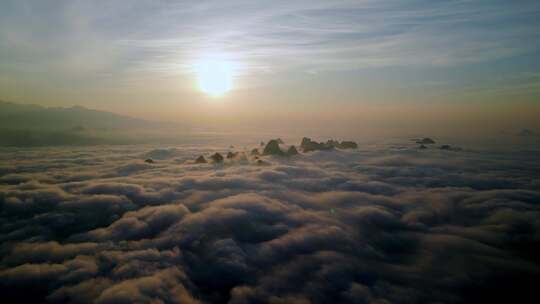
(305, 35)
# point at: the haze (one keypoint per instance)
(444, 64)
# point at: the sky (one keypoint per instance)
(341, 63)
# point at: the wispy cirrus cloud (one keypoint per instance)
(305, 35)
(303, 54)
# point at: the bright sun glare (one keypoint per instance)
(214, 76)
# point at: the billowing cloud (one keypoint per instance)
(377, 225)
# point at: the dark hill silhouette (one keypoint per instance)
(34, 125)
(28, 117)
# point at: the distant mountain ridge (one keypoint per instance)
(33, 125)
(30, 117)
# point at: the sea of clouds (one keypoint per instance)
(381, 224)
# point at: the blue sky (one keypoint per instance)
(115, 54)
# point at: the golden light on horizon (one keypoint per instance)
(215, 76)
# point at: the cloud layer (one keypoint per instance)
(384, 224)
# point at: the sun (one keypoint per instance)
(214, 76)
